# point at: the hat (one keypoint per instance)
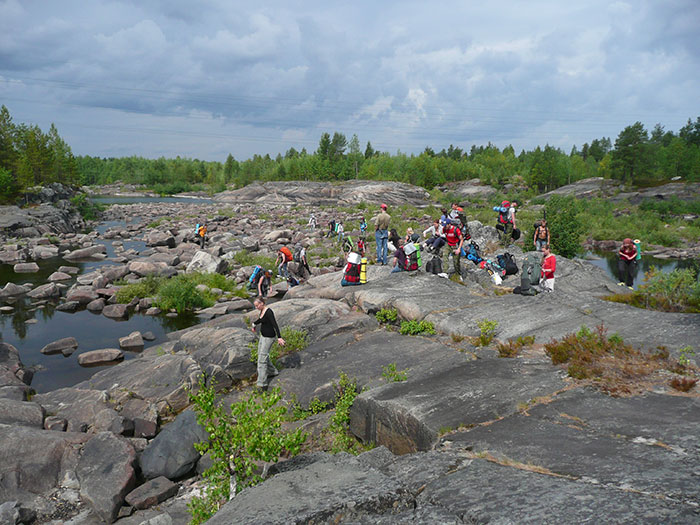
(627, 241)
(383, 206)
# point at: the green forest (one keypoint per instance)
(30, 157)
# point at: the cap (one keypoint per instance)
(627, 241)
(383, 206)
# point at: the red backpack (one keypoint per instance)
(352, 273)
(287, 253)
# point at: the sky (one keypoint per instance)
(206, 78)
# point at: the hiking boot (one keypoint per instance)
(620, 284)
(630, 288)
(261, 388)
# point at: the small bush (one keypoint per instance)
(683, 384)
(416, 327)
(213, 280)
(89, 210)
(387, 316)
(146, 287)
(676, 291)
(180, 294)
(488, 329)
(685, 353)
(390, 373)
(345, 394)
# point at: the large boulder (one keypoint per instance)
(115, 311)
(172, 454)
(206, 263)
(132, 342)
(79, 407)
(65, 346)
(28, 414)
(223, 346)
(30, 267)
(98, 251)
(100, 357)
(45, 291)
(12, 290)
(160, 239)
(143, 268)
(106, 474)
(82, 294)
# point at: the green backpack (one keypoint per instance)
(530, 273)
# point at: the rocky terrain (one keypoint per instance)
(614, 190)
(467, 437)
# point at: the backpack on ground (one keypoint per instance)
(472, 253)
(507, 261)
(353, 268)
(530, 274)
(434, 266)
(516, 234)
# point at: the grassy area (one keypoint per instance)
(677, 291)
(245, 258)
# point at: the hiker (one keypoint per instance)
(264, 283)
(353, 271)
(300, 258)
(340, 231)
(363, 226)
(393, 241)
(284, 256)
(444, 218)
(549, 266)
(454, 239)
(331, 228)
(268, 331)
(455, 213)
(202, 234)
(436, 239)
(312, 222)
(541, 235)
(627, 263)
(506, 220)
(361, 245)
(348, 245)
(399, 258)
(381, 227)
(410, 236)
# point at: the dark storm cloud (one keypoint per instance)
(205, 78)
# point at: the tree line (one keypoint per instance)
(30, 157)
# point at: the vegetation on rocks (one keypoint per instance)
(345, 393)
(488, 330)
(246, 258)
(513, 347)
(610, 364)
(250, 431)
(416, 328)
(391, 374)
(89, 210)
(387, 316)
(676, 291)
(566, 225)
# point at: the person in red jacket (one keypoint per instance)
(549, 266)
(627, 263)
(454, 239)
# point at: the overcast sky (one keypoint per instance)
(207, 77)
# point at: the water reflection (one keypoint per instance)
(608, 262)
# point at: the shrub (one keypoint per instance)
(180, 294)
(295, 341)
(488, 329)
(390, 373)
(676, 291)
(146, 287)
(683, 384)
(685, 353)
(512, 348)
(416, 327)
(238, 438)
(565, 224)
(213, 280)
(89, 210)
(387, 316)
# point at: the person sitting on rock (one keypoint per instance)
(627, 263)
(399, 258)
(549, 266)
(436, 239)
(393, 242)
(410, 236)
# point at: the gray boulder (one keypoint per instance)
(97, 251)
(82, 294)
(97, 305)
(151, 493)
(66, 346)
(68, 306)
(115, 311)
(79, 407)
(160, 239)
(28, 414)
(206, 263)
(12, 290)
(100, 357)
(106, 474)
(132, 342)
(45, 291)
(30, 267)
(58, 276)
(13, 513)
(172, 453)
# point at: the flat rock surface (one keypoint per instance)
(79, 407)
(151, 493)
(25, 413)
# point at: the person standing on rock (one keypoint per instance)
(627, 263)
(312, 222)
(455, 239)
(202, 234)
(541, 236)
(381, 234)
(341, 232)
(284, 257)
(549, 266)
(268, 331)
(264, 283)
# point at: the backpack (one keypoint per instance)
(292, 281)
(473, 253)
(434, 266)
(347, 244)
(299, 253)
(530, 274)
(503, 212)
(352, 272)
(410, 263)
(507, 261)
(255, 277)
(287, 254)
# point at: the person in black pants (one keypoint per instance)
(627, 263)
(268, 331)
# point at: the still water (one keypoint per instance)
(608, 262)
(32, 325)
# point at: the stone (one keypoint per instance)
(97, 251)
(143, 268)
(349, 491)
(23, 413)
(206, 263)
(161, 379)
(224, 346)
(79, 407)
(97, 305)
(45, 291)
(66, 346)
(132, 342)
(59, 276)
(13, 290)
(13, 513)
(100, 357)
(151, 493)
(153, 311)
(55, 423)
(114, 273)
(31, 267)
(106, 474)
(68, 306)
(172, 453)
(149, 336)
(82, 294)
(115, 311)
(160, 239)
(72, 270)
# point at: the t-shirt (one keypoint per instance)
(549, 265)
(382, 221)
(400, 257)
